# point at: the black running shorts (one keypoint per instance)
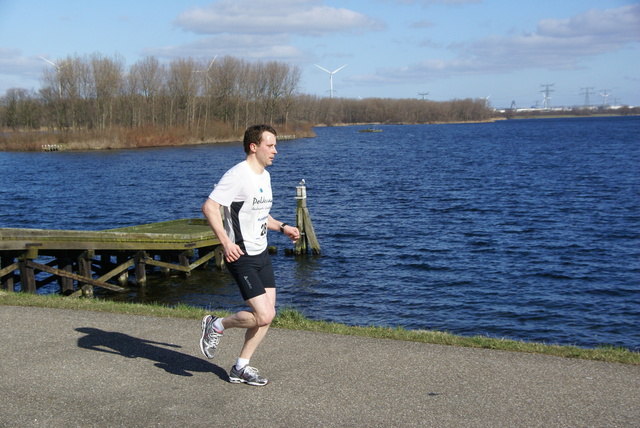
(253, 274)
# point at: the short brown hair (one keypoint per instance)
(253, 135)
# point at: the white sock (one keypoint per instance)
(241, 363)
(218, 325)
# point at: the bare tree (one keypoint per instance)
(183, 88)
(275, 75)
(132, 106)
(226, 88)
(151, 77)
(258, 85)
(20, 109)
(290, 90)
(108, 82)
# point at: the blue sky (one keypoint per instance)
(502, 49)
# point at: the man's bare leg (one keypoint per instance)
(256, 321)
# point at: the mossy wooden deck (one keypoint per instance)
(86, 258)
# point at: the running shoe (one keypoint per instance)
(248, 375)
(210, 337)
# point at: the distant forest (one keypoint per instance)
(97, 99)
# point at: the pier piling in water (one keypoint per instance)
(308, 238)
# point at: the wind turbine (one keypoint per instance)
(58, 72)
(546, 93)
(604, 94)
(331, 73)
(545, 101)
(208, 69)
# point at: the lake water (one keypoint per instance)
(523, 229)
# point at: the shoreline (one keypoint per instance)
(291, 319)
(38, 141)
(47, 141)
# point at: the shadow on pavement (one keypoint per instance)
(174, 362)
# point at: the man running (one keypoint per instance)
(245, 193)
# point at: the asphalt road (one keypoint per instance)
(64, 368)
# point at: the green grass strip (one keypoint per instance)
(293, 319)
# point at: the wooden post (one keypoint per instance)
(220, 263)
(303, 222)
(123, 278)
(84, 269)
(27, 273)
(183, 259)
(27, 276)
(65, 263)
(165, 258)
(141, 268)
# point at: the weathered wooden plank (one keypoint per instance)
(122, 245)
(181, 268)
(9, 269)
(173, 266)
(7, 277)
(79, 278)
(116, 271)
(181, 226)
(202, 260)
(303, 222)
(172, 235)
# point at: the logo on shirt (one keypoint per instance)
(261, 203)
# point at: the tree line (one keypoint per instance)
(96, 92)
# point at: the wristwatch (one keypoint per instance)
(282, 227)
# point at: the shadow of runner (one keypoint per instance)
(171, 361)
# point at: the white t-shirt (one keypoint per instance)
(246, 198)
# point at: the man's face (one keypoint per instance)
(266, 151)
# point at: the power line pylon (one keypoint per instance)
(586, 93)
(547, 93)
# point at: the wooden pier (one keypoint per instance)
(81, 260)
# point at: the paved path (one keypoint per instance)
(63, 368)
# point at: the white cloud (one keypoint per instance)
(273, 47)
(13, 61)
(622, 24)
(19, 71)
(561, 43)
(422, 24)
(557, 44)
(298, 17)
(430, 2)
